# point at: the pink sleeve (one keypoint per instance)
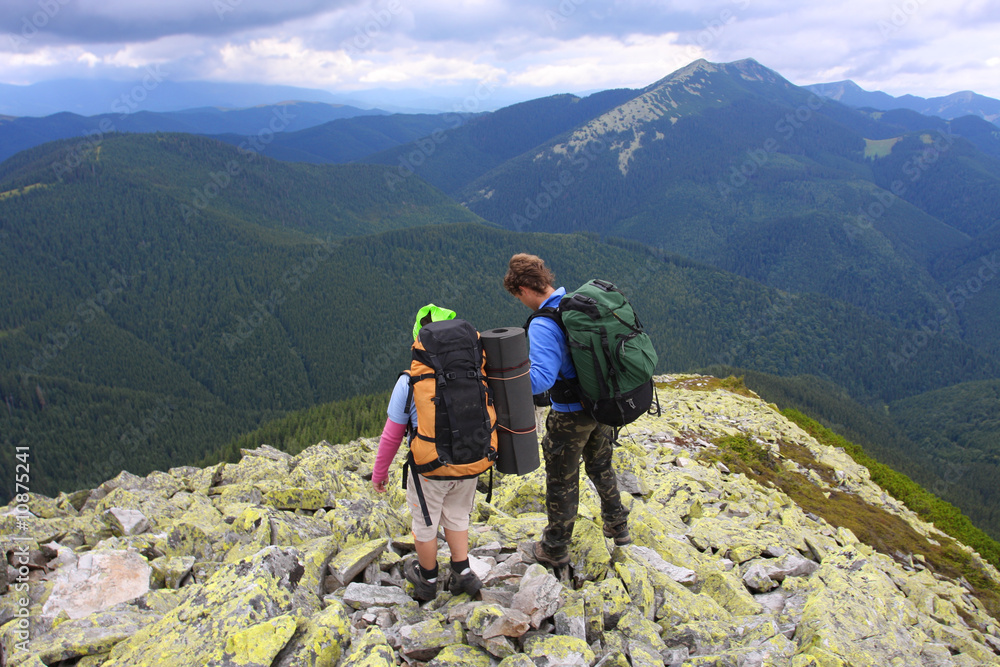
(388, 445)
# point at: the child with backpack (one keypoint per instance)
(448, 449)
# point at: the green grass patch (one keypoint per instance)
(731, 384)
(17, 192)
(876, 148)
(883, 530)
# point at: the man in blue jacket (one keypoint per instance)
(570, 432)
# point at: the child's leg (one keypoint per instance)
(458, 542)
(427, 552)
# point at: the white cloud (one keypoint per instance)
(588, 62)
(557, 45)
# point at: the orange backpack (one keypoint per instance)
(455, 435)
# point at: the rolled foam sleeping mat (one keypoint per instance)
(507, 369)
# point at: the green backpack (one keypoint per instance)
(613, 357)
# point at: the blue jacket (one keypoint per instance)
(549, 354)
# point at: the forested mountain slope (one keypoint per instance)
(732, 165)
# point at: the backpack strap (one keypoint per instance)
(416, 487)
(564, 390)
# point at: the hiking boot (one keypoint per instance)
(618, 533)
(467, 582)
(422, 589)
(541, 556)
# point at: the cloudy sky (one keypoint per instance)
(923, 47)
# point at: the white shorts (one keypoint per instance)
(449, 503)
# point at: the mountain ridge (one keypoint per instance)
(949, 107)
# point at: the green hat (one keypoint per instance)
(431, 313)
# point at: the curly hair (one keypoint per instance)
(527, 271)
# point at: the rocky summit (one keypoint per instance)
(742, 556)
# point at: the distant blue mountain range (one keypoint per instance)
(965, 103)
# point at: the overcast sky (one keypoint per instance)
(923, 47)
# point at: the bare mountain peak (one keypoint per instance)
(648, 116)
(747, 69)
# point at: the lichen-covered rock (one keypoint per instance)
(258, 645)
(170, 572)
(517, 660)
(423, 641)
(560, 651)
(519, 495)
(499, 647)
(322, 641)
(571, 619)
(643, 655)
(94, 634)
(607, 601)
(200, 532)
(707, 542)
(295, 498)
(362, 520)
(372, 650)
(637, 627)
(589, 552)
(236, 598)
(350, 562)
(617, 658)
(362, 596)
(730, 593)
(756, 578)
(514, 530)
(511, 623)
(682, 606)
(126, 522)
(635, 577)
(654, 561)
(458, 655)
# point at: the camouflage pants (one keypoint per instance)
(570, 436)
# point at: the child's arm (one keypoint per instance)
(388, 445)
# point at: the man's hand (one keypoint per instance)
(379, 486)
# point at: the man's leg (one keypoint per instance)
(564, 439)
(597, 458)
